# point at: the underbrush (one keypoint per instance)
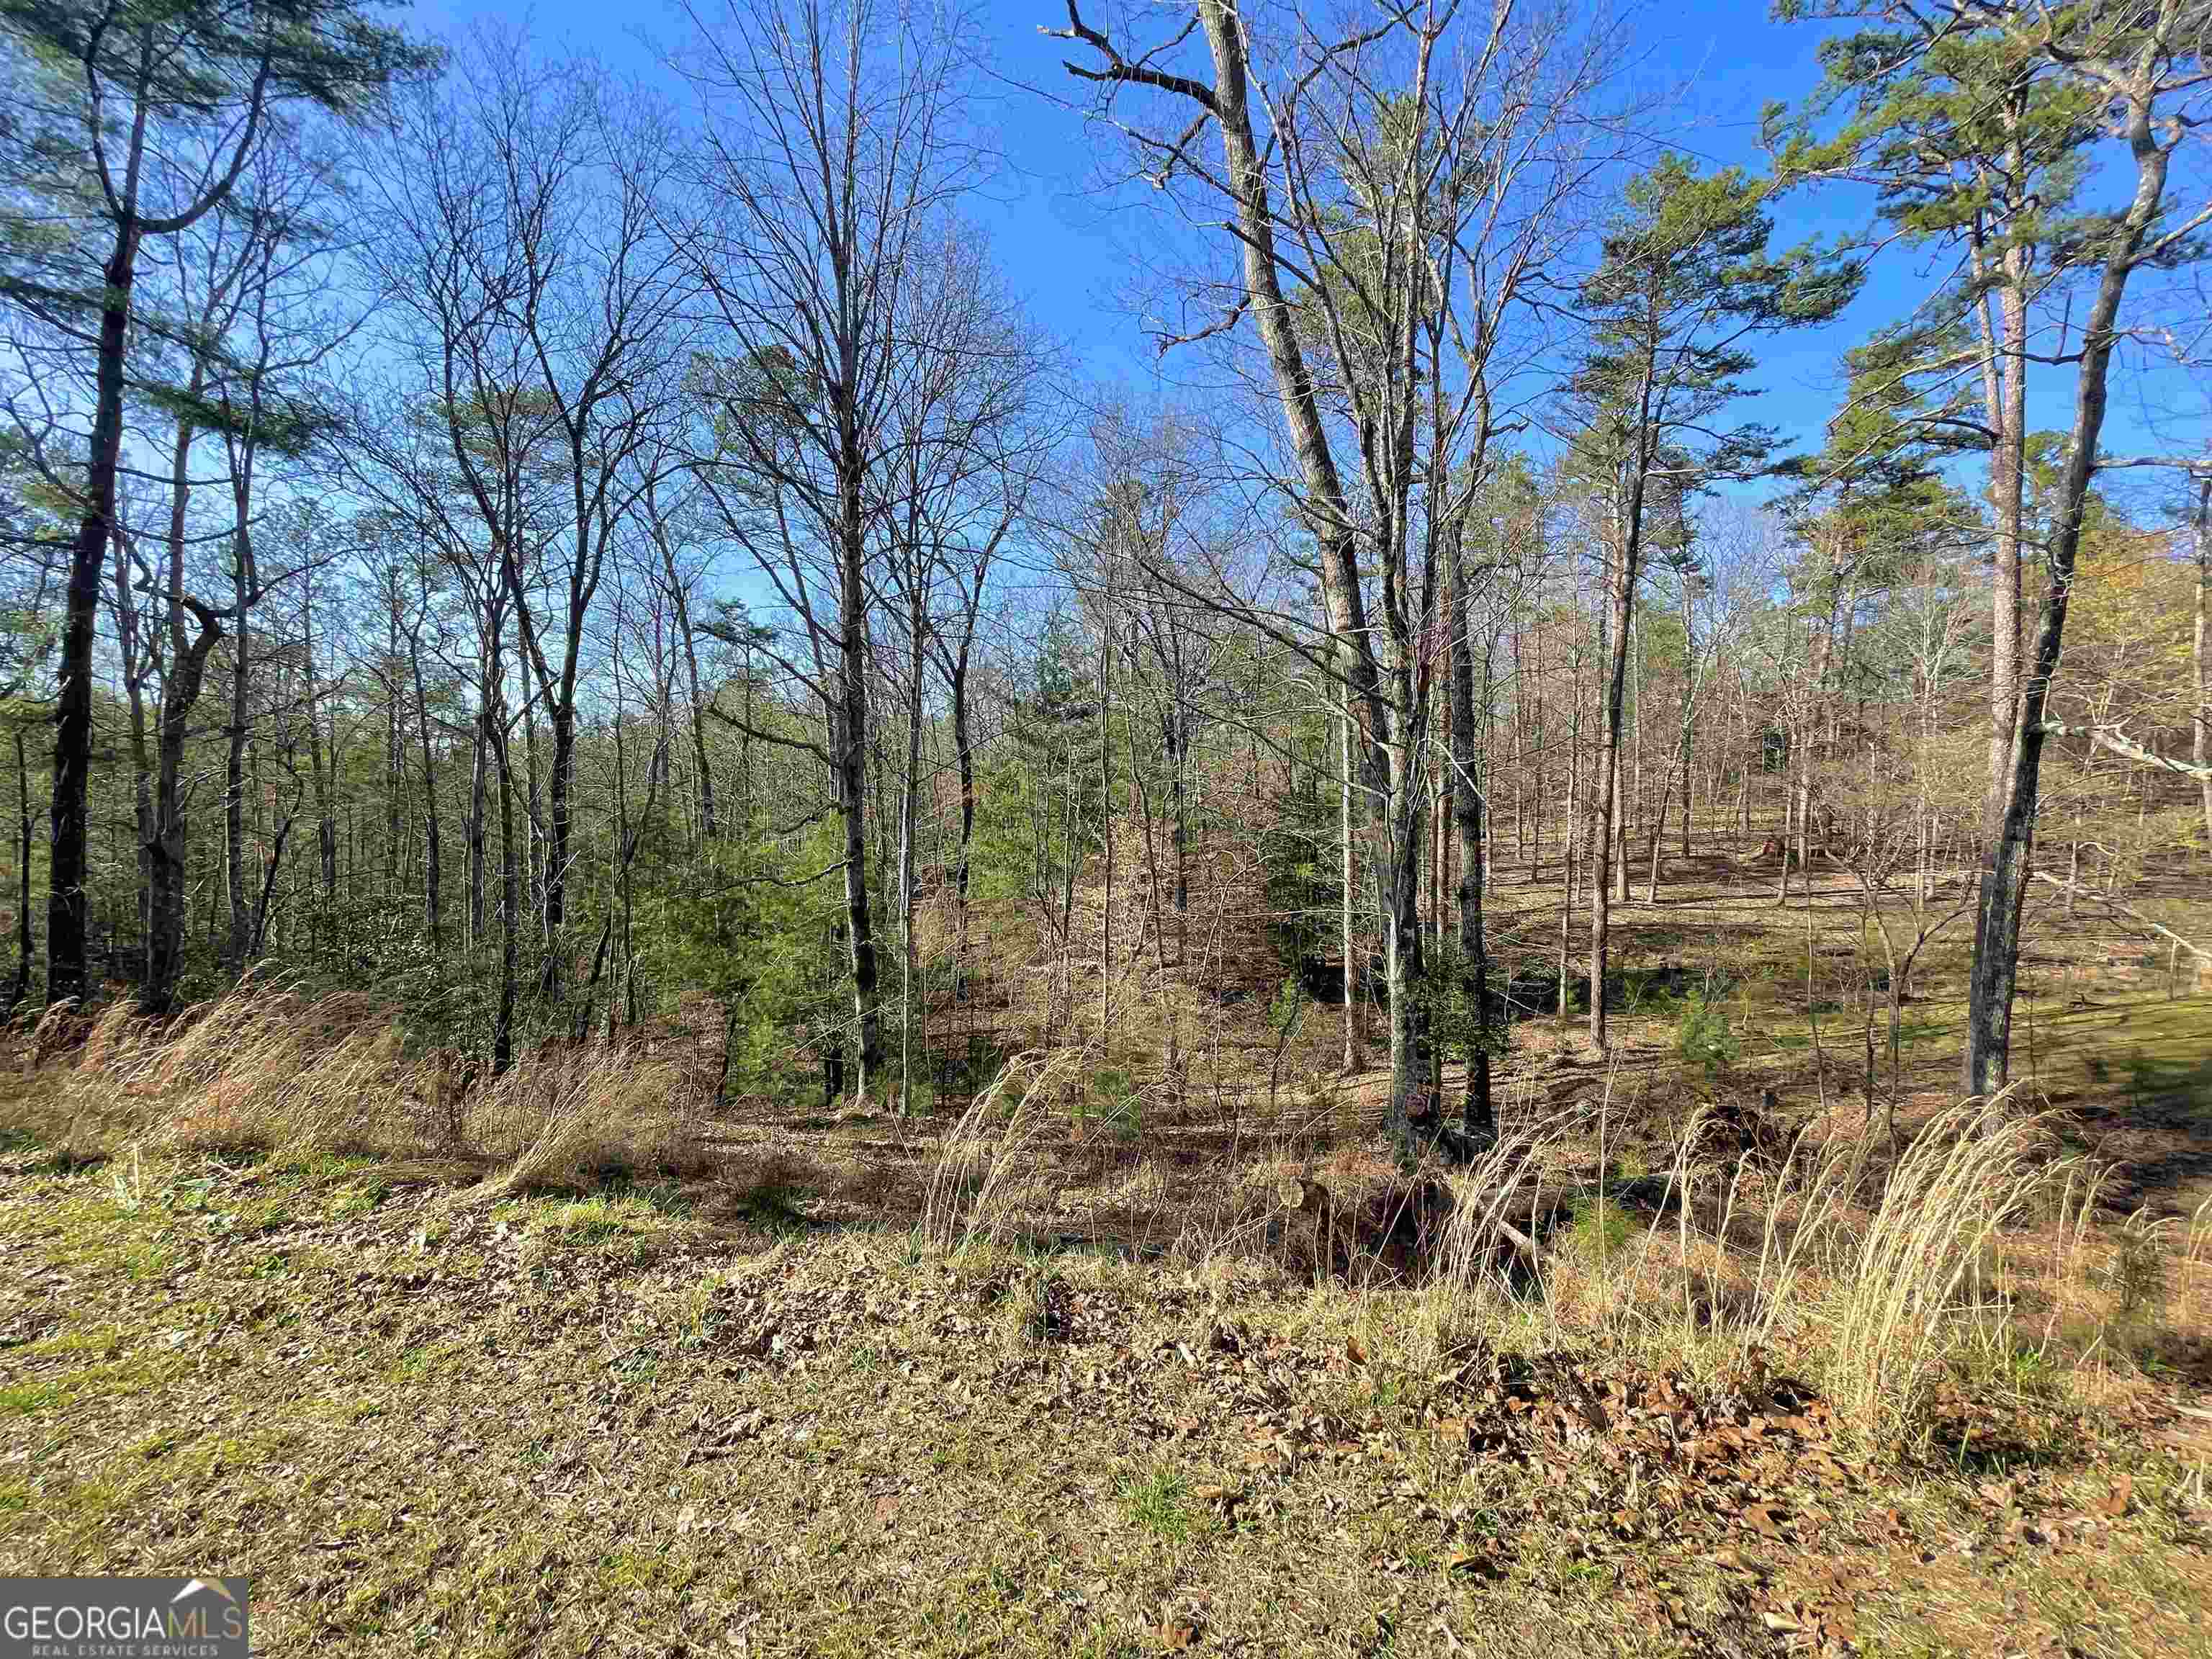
(1974, 1252)
(269, 1068)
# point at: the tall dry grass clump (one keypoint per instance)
(264, 1066)
(270, 1066)
(1885, 1289)
(1484, 1234)
(1913, 1280)
(968, 1199)
(1877, 1283)
(566, 1114)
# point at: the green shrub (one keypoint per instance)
(1704, 1035)
(1118, 1104)
(1600, 1230)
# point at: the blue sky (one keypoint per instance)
(1067, 251)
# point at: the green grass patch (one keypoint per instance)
(1160, 1504)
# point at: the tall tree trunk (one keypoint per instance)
(1409, 1023)
(395, 751)
(853, 750)
(479, 788)
(1619, 602)
(1106, 826)
(433, 873)
(27, 946)
(136, 646)
(244, 581)
(510, 905)
(709, 829)
(322, 762)
(1396, 818)
(165, 943)
(910, 787)
(2007, 862)
(533, 818)
(66, 969)
(1355, 1057)
(2200, 651)
(1683, 755)
(2004, 373)
(559, 841)
(964, 752)
(1479, 1117)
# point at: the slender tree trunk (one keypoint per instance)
(1620, 599)
(243, 583)
(1479, 1117)
(2005, 377)
(680, 598)
(510, 903)
(909, 784)
(560, 837)
(138, 651)
(433, 839)
(534, 818)
(1106, 826)
(965, 753)
(2008, 861)
(1409, 1029)
(1683, 757)
(165, 943)
(1355, 1057)
(322, 763)
(66, 969)
(1621, 807)
(2200, 652)
(395, 750)
(479, 797)
(27, 946)
(853, 752)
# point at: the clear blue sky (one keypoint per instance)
(1068, 252)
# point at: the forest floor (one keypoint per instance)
(651, 1422)
(781, 1405)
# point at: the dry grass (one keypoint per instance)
(1910, 1282)
(982, 1156)
(572, 1115)
(269, 1067)
(1879, 1275)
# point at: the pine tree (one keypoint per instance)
(150, 112)
(1684, 283)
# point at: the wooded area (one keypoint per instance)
(580, 620)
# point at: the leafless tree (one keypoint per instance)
(1391, 189)
(965, 439)
(832, 140)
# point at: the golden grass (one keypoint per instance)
(988, 1149)
(270, 1067)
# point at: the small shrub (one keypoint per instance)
(1704, 1036)
(1599, 1230)
(2138, 1270)
(1120, 1107)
